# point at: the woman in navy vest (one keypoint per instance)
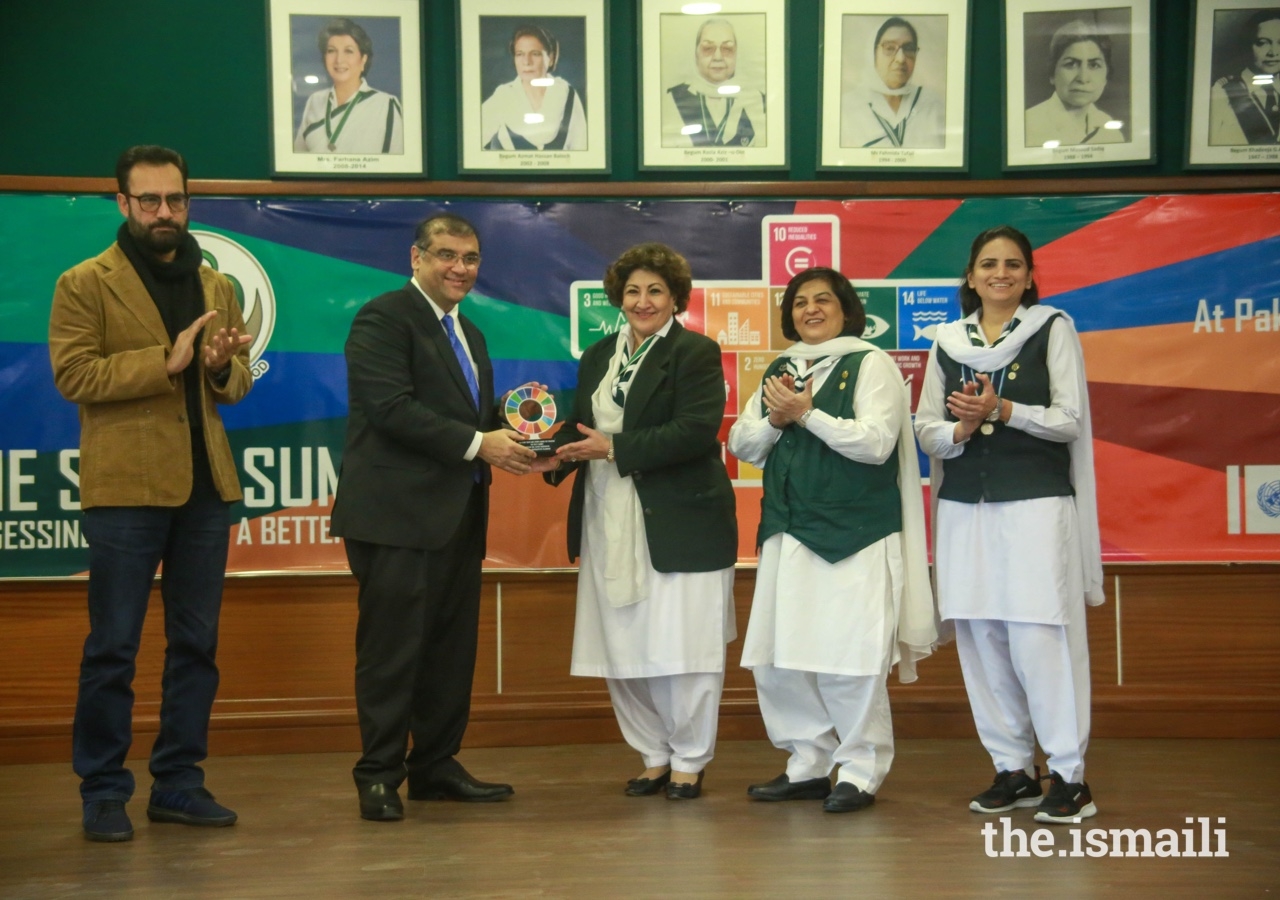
(1004, 415)
(654, 519)
(842, 589)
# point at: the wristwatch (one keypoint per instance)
(803, 421)
(608, 457)
(994, 415)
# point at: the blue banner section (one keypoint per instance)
(1172, 293)
(532, 251)
(34, 414)
(295, 387)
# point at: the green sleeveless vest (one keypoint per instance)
(829, 503)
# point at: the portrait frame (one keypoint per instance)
(311, 131)
(1217, 137)
(498, 131)
(860, 129)
(1042, 129)
(673, 95)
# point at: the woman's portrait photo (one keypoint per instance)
(1244, 100)
(894, 84)
(713, 71)
(342, 112)
(533, 88)
(346, 87)
(1077, 77)
(533, 82)
(713, 84)
(894, 70)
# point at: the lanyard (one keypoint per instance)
(968, 374)
(328, 112)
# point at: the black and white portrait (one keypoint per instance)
(1077, 77)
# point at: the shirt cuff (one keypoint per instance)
(474, 448)
(1018, 416)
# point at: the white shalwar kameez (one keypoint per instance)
(508, 111)
(823, 636)
(662, 648)
(1015, 576)
(374, 125)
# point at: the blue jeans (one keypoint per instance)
(126, 545)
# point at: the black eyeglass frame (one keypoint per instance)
(177, 202)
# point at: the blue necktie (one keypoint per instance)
(467, 372)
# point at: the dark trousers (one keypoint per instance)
(126, 545)
(416, 649)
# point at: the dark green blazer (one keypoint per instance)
(669, 446)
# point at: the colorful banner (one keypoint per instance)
(1177, 299)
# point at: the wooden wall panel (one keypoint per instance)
(1198, 656)
(281, 640)
(1198, 627)
(537, 637)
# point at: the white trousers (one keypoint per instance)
(828, 720)
(1026, 682)
(669, 719)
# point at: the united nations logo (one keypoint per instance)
(1269, 498)
(253, 290)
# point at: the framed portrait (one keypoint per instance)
(894, 84)
(1234, 113)
(1078, 83)
(534, 86)
(346, 87)
(713, 85)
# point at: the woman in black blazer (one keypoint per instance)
(653, 518)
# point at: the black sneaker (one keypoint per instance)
(106, 821)
(193, 806)
(1010, 790)
(1065, 802)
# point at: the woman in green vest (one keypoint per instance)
(842, 589)
(654, 519)
(1004, 417)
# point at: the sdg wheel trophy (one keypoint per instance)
(532, 411)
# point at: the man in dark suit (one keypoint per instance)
(412, 506)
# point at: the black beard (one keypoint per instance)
(158, 243)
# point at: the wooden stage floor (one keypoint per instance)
(570, 832)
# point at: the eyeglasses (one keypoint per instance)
(449, 257)
(890, 50)
(151, 202)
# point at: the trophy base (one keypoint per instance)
(542, 446)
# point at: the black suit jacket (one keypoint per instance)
(670, 447)
(404, 481)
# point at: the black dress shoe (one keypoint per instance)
(847, 798)
(448, 780)
(678, 790)
(645, 787)
(783, 788)
(381, 803)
